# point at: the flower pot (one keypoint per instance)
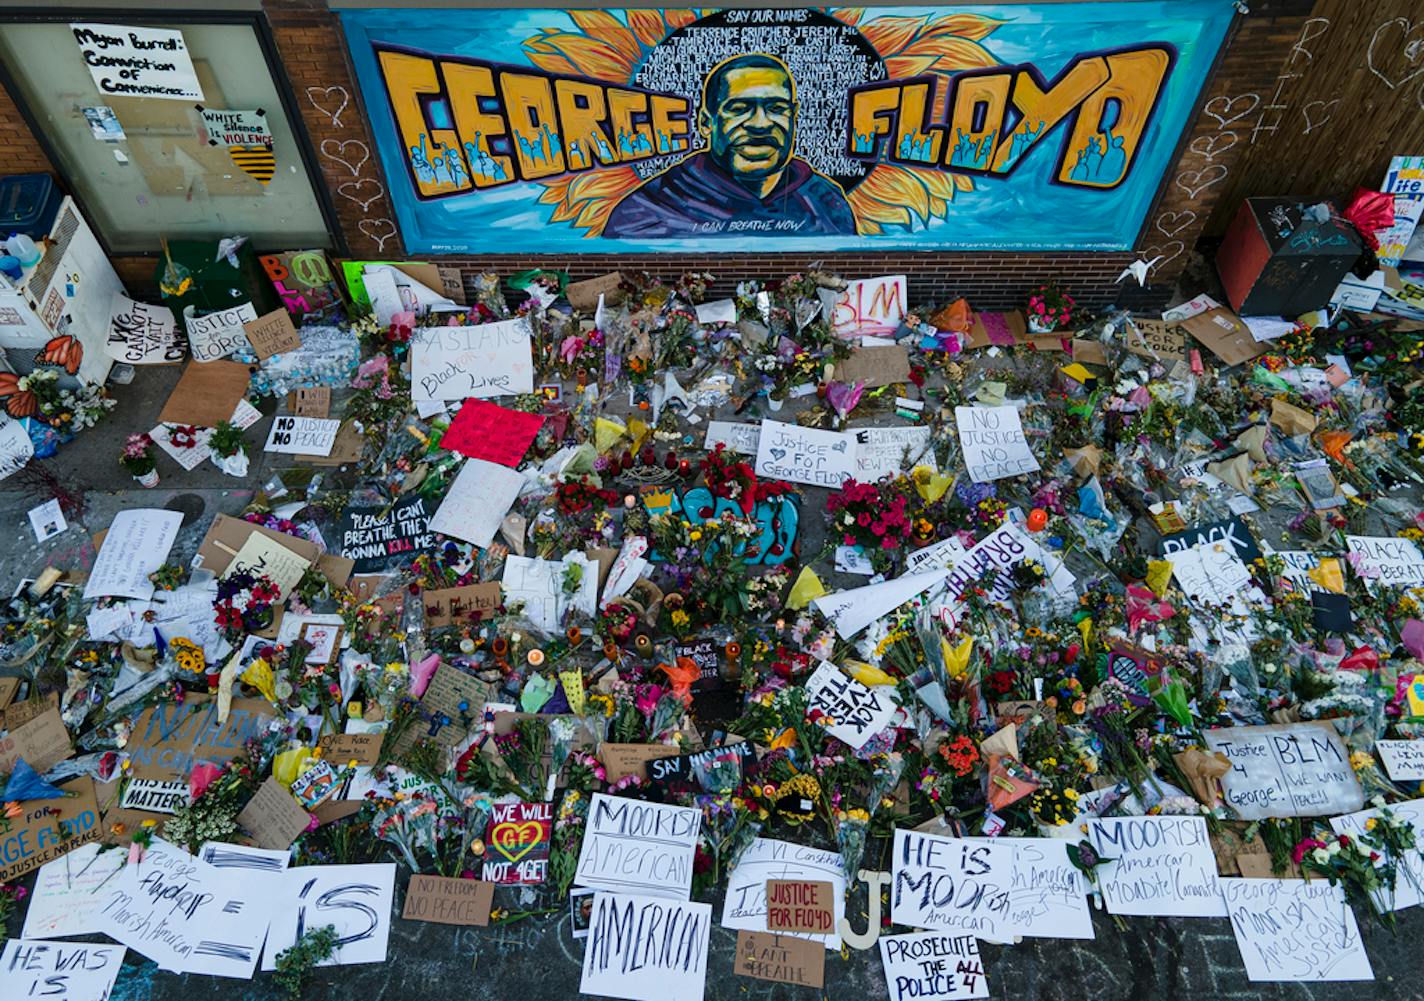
(1039, 325)
(148, 479)
(232, 465)
(775, 403)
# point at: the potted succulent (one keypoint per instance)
(228, 449)
(138, 458)
(1049, 308)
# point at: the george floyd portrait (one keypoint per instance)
(748, 180)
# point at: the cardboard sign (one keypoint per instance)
(993, 442)
(1286, 770)
(805, 455)
(445, 901)
(272, 334)
(273, 816)
(1162, 866)
(169, 738)
(154, 795)
(868, 307)
(800, 905)
(310, 401)
(129, 61)
(517, 843)
(857, 712)
(583, 296)
(15, 716)
(1295, 930)
(1151, 338)
(42, 741)
(782, 959)
(344, 748)
(218, 334)
(302, 436)
(206, 394)
(621, 760)
(619, 963)
(269, 558)
(633, 846)
(48, 828)
(447, 606)
(1003, 330)
(932, 966)
(142, 334)
(454, 363)
(1224, 335)
(70, 971)
(227, 535)
(877, 366)
(483, 430)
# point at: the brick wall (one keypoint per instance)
(313, 53)
(19, 152)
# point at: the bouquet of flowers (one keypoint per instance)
(138, 459)
(1050, 308)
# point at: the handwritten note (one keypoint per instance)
(302, 436)
(856, 712)
(867, 307)
(994, 443)
(1213, 576)
(887, 451)
(745, 905)
(952, 885)
(356, 899)
(454, 363)
(217, 335)
(780, 958)
(1403, 759)
(269, 558)
(741, 438)
(635, 847)
(477, 502)
(137, 543)
(272, 334)
(142, 334)
(63, 901)
(621, 960)
(448, 901)
(69, 971)
(1289, 770)
(805, 455)
(273, 816)
(932, 966)
(1295, 930)
(1048, 896)
(157, 61)
(1387, 561)
(1409, 880)
(1162, 866)
(488, 431)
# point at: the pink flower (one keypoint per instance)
(201, 777)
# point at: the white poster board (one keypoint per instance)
(932, 966)
(744, 907)
(857, 711)
(129, 61)
(356, 899)
(634, 847)
(1162, 866)
(477, 501)
(955, 885)
(136, 544)
(1295, 930)
(217, 335)
(66, 971)
(805, 455)
(993, 442)
(1286, 770)
(302, 435)
(485, 361)
(887, 451)
(623, 958)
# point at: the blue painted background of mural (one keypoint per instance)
(1028, 191)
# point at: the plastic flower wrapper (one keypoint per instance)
(728, 829)
(664, 716)
(563, 732)
(409, 825)
(852, 828)
(720, 771)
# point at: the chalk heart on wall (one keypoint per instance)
(378, 231)
(1317, 113)
(1169, 224)
(1194, 182)
(515, 841)
(1161, 251)
(1224, 109)
(1211, 147)
(340, 156)
(324, 105)
(363, 191)
(1390, 38)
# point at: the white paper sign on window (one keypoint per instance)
(128, 61)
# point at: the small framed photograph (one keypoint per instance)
(325, 640)
(581, 910)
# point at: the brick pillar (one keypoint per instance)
(1238, 94)
(313, 53)
(22, 154)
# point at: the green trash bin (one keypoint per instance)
(216, 284)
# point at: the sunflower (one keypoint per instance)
(605, 47)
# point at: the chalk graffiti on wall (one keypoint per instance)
(1035, 125)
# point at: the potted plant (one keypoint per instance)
(228, 449)
(1049, 308)
(137, 457)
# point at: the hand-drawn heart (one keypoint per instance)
(1412, 50)
(326, 93)
(778, 453)
(1196, 180)
(1227, 103)
(839, 446)
(1169, 224)
(372, 227)
(341, 147)
(1321, 117)
(1176, 246)
(525, 837)
(356, 186)
(1211, 147)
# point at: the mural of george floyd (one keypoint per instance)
(1031, 127)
